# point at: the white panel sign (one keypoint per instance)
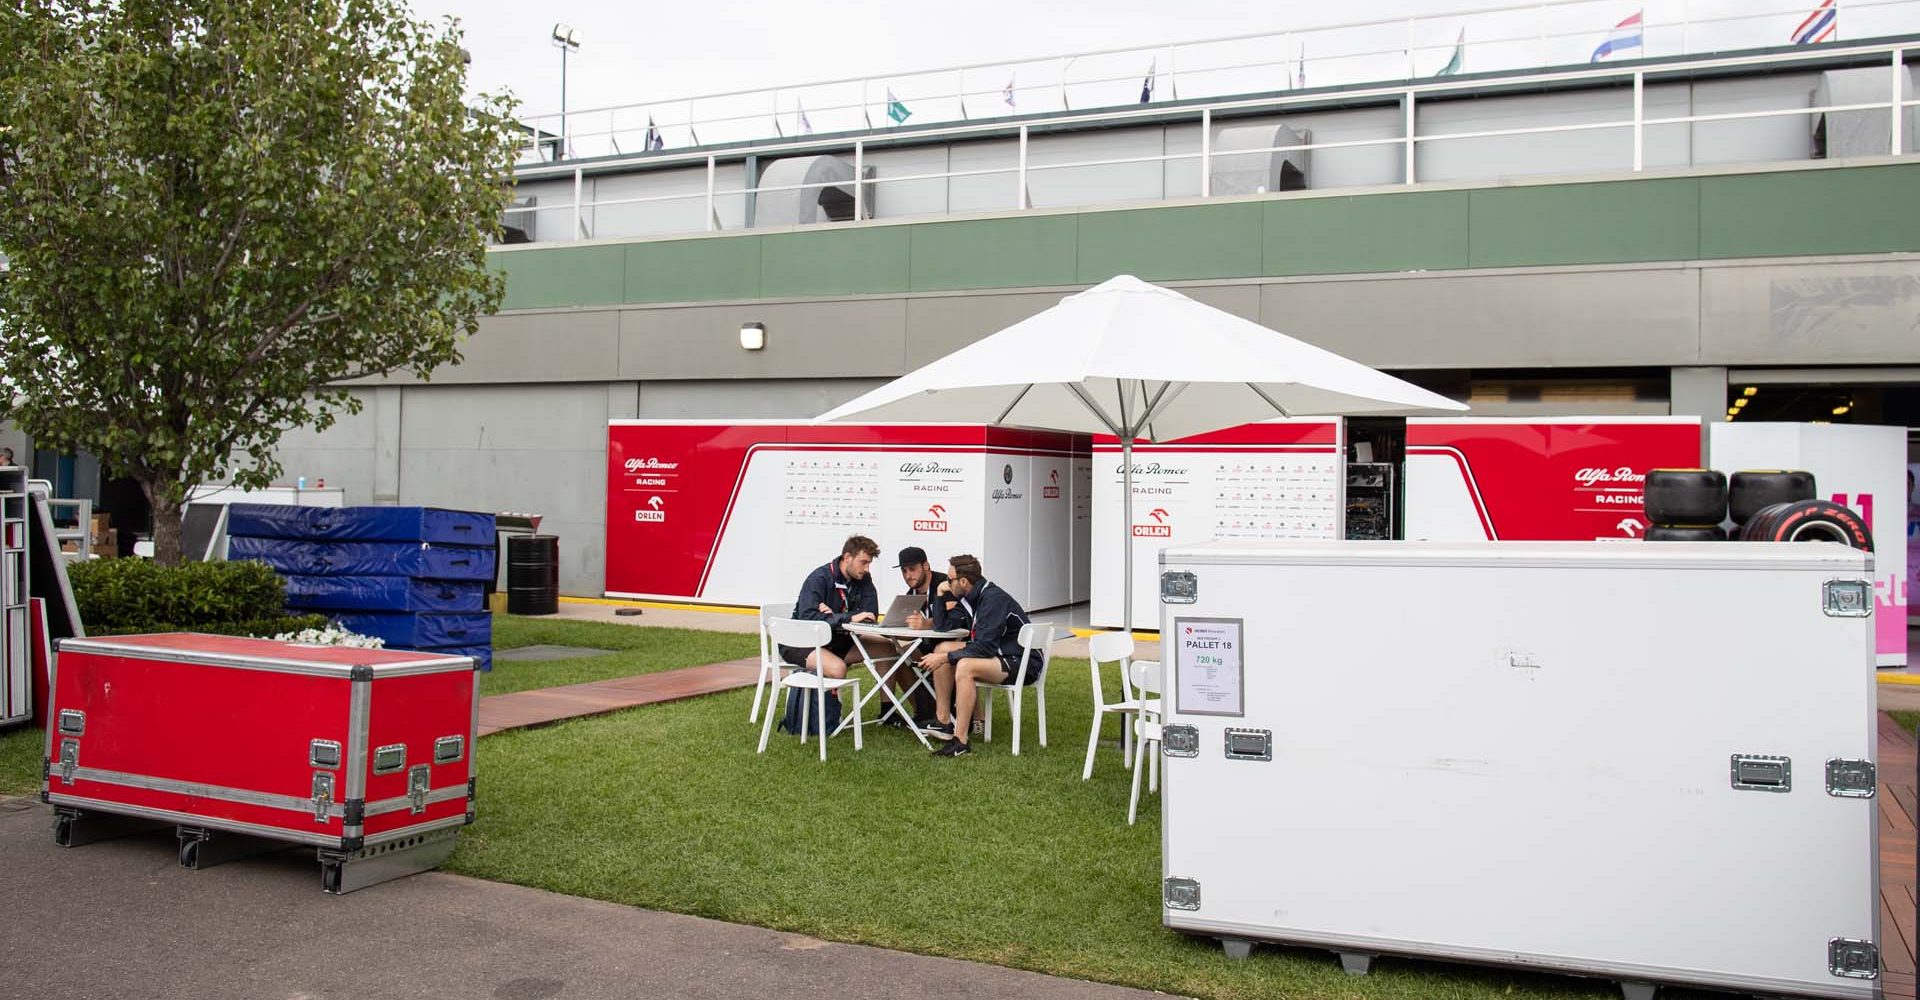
(1208, 667)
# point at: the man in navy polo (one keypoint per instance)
(840, 593)
(991, 654)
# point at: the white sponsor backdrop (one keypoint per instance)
(1863, 467)
(1281, 480)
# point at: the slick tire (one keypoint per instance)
(1686, 497)
(1667, 533)
(1751, 491)
(1809, 521)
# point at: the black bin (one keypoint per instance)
(533, 574)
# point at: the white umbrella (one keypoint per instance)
(1135, 360)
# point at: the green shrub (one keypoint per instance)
(262, 628)
(135, 595)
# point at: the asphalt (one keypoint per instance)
(122, 919)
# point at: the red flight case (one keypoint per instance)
(247, 745)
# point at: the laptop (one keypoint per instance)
(903, 607)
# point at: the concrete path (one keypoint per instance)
(123, 919)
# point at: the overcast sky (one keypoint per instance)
(633, 52)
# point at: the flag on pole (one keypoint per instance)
(805, 126)
(1625, 35)
(1007, 93)
(1300, 68)
(1819, 26)
(654, 139)
(1146, 86)
(1459, 56)
(896, 110)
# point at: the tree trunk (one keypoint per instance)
(167, 517)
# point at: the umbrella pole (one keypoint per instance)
(1126, 528)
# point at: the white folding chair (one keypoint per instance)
(814, 636)
(771, 665)
(1114, 647)
(1033, 637)
(1146, 678)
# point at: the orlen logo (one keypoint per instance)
(936, 519)
(652, 511)
(1052, 490)
(1158, 529)
(1591, 477)
(637, 464)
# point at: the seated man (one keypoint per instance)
(839, 593)
(991, 655)
(922, 579)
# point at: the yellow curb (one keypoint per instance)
(721, 609)
(1088, 633)
(1910, 679)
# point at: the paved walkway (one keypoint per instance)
(572, 701)
(123, 919)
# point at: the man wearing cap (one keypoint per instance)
(922, 579)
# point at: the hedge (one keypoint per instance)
(121, 596)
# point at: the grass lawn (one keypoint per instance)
(640, 649)
(1907, 720)
(20, 750)
(1002, 859)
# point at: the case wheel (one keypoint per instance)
(75, 828)
(201, 848)
(346, 871)
(1356, 963)
(1236, 948)
(1638, 991)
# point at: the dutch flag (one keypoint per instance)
(1819, 25)
(1625, 35)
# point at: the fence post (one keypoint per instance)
(1639, 120)
(713, 211)
(1898, 113)
(859, 181)
(579, 223)
(1409, 175)
(1020, 195)
(1206, 152)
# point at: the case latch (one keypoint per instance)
(1847, 598)
(1851, 779)
(1180, 741)
(1249, 744)
(419, 781)
(1762, 773)
(69, 759)
(1850, 958)
(1179, 587)
(1181, 894)
(322, 796)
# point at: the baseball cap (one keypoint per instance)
(912, 555)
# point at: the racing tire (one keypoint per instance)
(1686, 498)
(1670, 533)
(1751, 491)
(1809, 521)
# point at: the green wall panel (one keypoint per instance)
(1585, 223)
(1382, 232)
(694, 270)
(1852, 210)
(995, 253)
(562, 276)
(1204, 241)
(839, 262)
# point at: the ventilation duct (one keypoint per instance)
(1236, 170)
(827, 194)
(1841, 134)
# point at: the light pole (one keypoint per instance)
(566, 40)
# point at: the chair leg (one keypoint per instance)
(1153, 768)
(766, 726)
(859, 742)
(1040, 703)
(1133, 799)
(820, 735)
(806, 712)
(1093, 741)
(759, 681)
(986, 705)
(1013, 704)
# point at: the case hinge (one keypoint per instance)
(1181, 894)
(1851, 779)
(1179, 587)
(1851, 958)
(1180, 741)
(322, 796)
(419, 782)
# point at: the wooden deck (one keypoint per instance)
(1898, 753)
(547, 705)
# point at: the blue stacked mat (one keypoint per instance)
(415, 577)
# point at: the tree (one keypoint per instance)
(217, 211)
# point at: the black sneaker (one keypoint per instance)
(938, 730)
(954, 749)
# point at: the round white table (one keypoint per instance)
(913, 637)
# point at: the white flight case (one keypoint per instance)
(1646, 761)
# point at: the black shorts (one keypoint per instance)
(1011, 664)
(839, 645)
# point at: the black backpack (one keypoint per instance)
(791, 722)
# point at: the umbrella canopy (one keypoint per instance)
(1136, 360)
(1126, 355)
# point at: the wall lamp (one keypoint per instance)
(753, 336)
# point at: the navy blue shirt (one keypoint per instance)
(827, 585)
(995, 628)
